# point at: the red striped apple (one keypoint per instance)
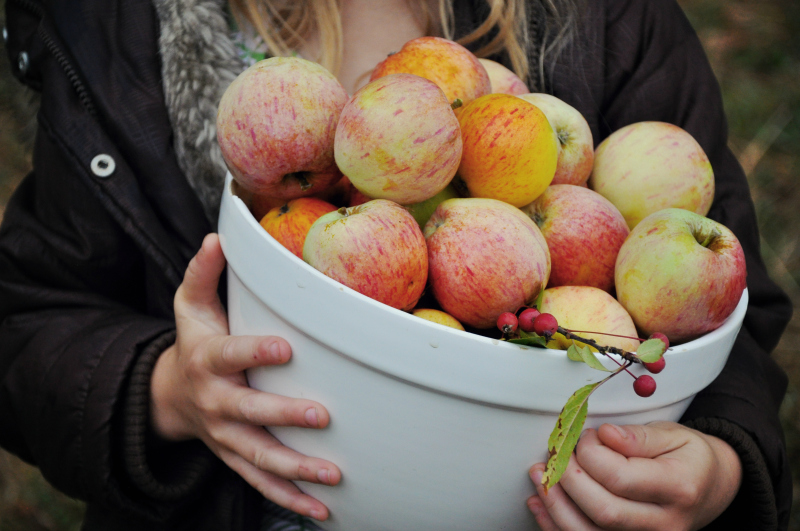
(584, 232)
(376, 249)
(680, 273)
(575, 143)
(276, 124)
(452, 67)
(486, 257)
(398, 139)
(290, 222)
(648, 166)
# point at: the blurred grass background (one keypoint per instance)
(754, 48)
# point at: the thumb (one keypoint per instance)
(201, 279)
(649, 441)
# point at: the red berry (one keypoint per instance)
(545, 324)
(507, 323)
(527, 317)
(657, 366)
(644, 385)
(662, 337)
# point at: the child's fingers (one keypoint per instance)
(635, 478)
(231, 354)
(201, 279)
(562, 512)
(649, 441)
(543, 518)
(257, 408)
(279, 490)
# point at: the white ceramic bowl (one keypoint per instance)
(433, 428)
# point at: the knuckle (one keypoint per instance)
(262, 458)
(609, 517)
(688, 494)
(249, 408)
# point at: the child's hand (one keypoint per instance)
(659, 476)
(199, 391)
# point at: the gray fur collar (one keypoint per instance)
(199, 61)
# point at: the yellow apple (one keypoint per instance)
(438, 317)
(509, 152)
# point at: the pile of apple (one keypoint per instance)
(444, 174)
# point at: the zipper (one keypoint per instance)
(60, 56)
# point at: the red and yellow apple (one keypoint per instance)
(276, 124)
(503, 80)
(452, 67)
(289, 223)
(486, 257)
(398, 139)
(584, 232)
(680, 273)
(510, 150)
(376, 248)
(582, 308)
(648, 166)
(575, 143)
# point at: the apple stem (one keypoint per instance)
(458, 102)
(639, 339)
(710, 238)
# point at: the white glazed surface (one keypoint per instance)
(433, 428)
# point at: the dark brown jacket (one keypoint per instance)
(89, 263)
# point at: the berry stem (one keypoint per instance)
(624, 354)
(639, 339)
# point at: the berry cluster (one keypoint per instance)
(532, 321)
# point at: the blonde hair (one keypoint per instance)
(283, 25)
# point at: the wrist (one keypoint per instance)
(165, 420)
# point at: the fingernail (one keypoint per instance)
(536, 476)
(534, 505)
(316, 515)
(622, 431)
(324, 476)
(311, 417)
(274, 350)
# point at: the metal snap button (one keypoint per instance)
(23, 62)
(103, 165)
(5, 34)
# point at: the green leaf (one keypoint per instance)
(530, 340)
(573, 353)
(590, 359)
(539, 299)
(564, 436)
(651, 350)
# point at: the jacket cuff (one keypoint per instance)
(755, 506)
(161, 470)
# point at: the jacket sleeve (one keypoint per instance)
(655, 69)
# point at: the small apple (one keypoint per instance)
(680, 273)
(398, 139)
(289, 223)
(423, 211)
(376, 249)
(486, 257)
(648, 166)
(575, 143)
(437, 316)
(503, 80)
(276, 124)
(452, 67)
(582, 308)
(510, 150)
(584, 232)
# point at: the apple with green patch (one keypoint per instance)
(680, 273)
